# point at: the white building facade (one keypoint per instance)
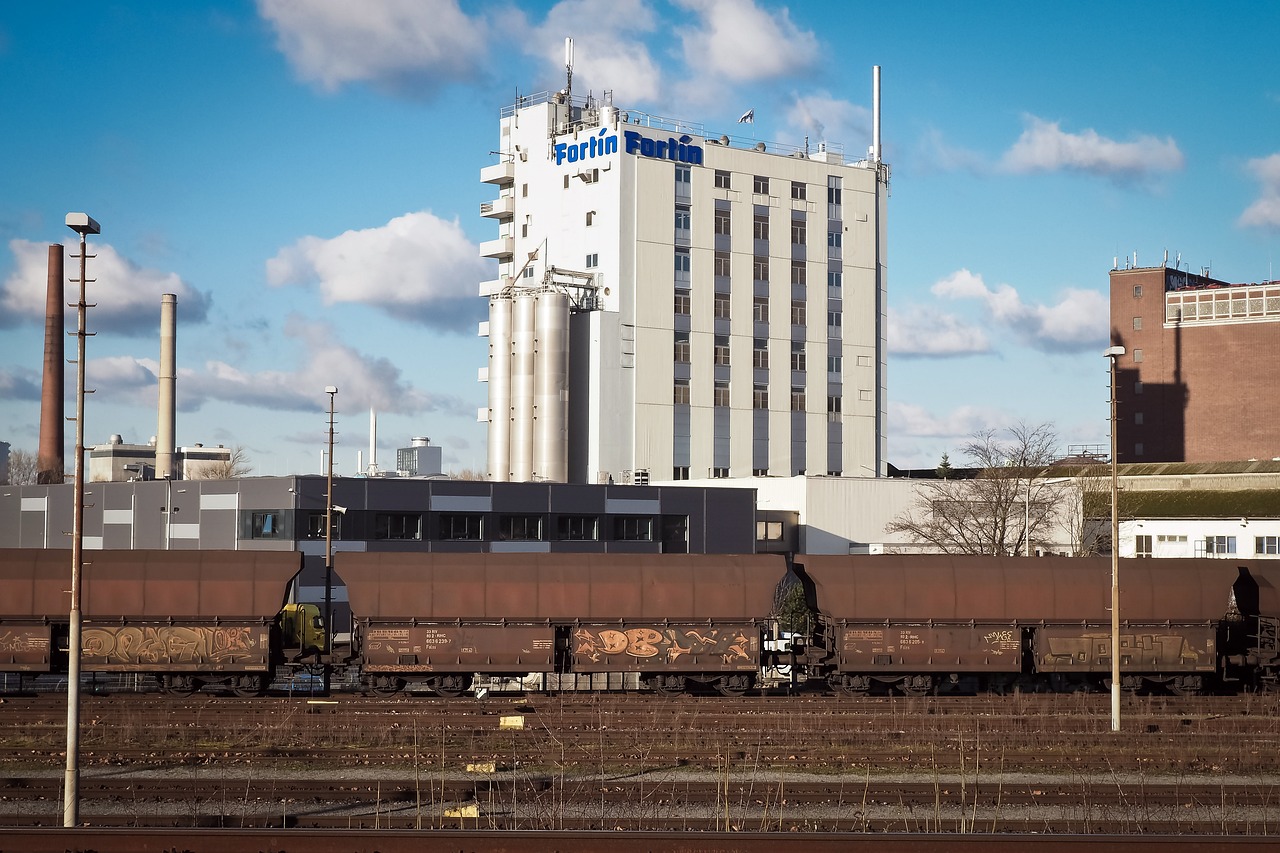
(671, 305)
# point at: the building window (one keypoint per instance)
(760, 354)
(461, 525)
(721, 395)
(682, 219)
(798, 272)
(799, 232)
(1137, 291)
(760, 185)
(760, 226)
(797, 355)
(760, 309)
(271, 524)
(578, 528)
(769, 531)
(633, 528)
(593, 260)
(722, 264)
(1219, 544)
(833, 408)
(520, 528)
(722, 179)
(722, 302)
(397, 525)
(1137, 449)
(1137, 387)
(722, 222)
(834, 239)
(1137, 324)
(797, 312)
(680, 472)
(797, 190)
(682, 348)
(1142, 545)
(760, 268)
(833, 320)
(524, 190)
(722, 349)
(682, 302)
(682, 260)
(797, 399)
(760, 397)
(591, 217)
(834, 279)
(681, 395)
(833, 190)
(1137, 418)
(720, 473)
(835, 364)
(528, 272)
(1266, 544)
(1137, 355)
(684, 175)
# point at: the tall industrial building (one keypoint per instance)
(1197, 380)
(672, 305)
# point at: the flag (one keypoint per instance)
(748, 116)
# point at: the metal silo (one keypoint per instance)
(551, 387)
(522, 357)
(500, 387)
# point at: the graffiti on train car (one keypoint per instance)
(668, 643)
(24, 642)
(173, 644)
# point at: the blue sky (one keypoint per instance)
(305, 176)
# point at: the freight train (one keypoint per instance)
(434, 622)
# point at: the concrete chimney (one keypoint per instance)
(50, 463)
(168, 372)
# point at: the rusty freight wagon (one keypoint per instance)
(434, 620)
(189, 618)
(918, 623)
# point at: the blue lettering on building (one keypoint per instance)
(604, 143)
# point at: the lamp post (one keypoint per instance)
(1111, 355)
(83, 224)
(332, 391)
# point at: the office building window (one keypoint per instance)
(834, 239)
(1219, 544)
(682, 218)
(719, 473)
(681, 395)
(722, 264)
(578, 528)
(721, 306)
(461, 525)
(682, 260)
(683, 302)
(528, 272)
(722, 349)
(799, 232)
(680, 472)
(270, 524)
(760, 309)
(797, 312)
(682, 348)
(760, 268)
(835, 364)
(760, 185)
(520, 528)
(797, 355)
(1266, 544)
(760, 354)
(722, 179)
(1137, 355)
(798, 272)
(1142, 545)
(797, 399)
(760, 226)
(593, 260)
(797, 190)
(833, 190)
(397, 525)
(760, 397)
(722, 222)
(720, 394)
(633, 528)
(834, 278)
(1137, 291)
(684, 175)
(833, 408)
(1137, 324)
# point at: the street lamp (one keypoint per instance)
(332, 391)
(1111, 355)
(83, 224)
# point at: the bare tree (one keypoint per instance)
(468, 474)
(234, 466)
(22, 468)
(995, 511)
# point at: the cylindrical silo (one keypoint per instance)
(168, 381)
(50, 464)
(500, 388)
(551, 387)
(522, 350)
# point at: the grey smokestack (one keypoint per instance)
(50, 463)
(875, 114)
(168, 371)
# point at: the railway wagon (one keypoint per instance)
(190, 618)
(920, 623)
(434, 620)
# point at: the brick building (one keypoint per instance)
(1198, 380)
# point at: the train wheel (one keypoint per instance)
(733, 685)
(384, 685)
(916, 685)
(178, 685)
(248, 686)
(1185, 685)
(667, 685)
(850, 685)
(450, 686)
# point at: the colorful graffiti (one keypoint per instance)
(172, 644)
(735, 643)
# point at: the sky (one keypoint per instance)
(304, 175)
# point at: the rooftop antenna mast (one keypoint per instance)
(568, 71)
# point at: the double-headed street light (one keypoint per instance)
(1111, 355)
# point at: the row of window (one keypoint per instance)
(759, 397)
(722, 309)
(1213, 545)
(760, 186)
(466, 526)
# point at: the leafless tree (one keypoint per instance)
(995, 511)
(22, 468)
(234, 466)
(468, 474)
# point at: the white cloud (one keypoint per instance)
(923, 331)
(606, 52)
(417, 266)
(127, 296)
(1079, 321)
(407, 46)
(909, 419)
(1045, 147)
(738, 41)
(823, 117)
(1265, 211)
